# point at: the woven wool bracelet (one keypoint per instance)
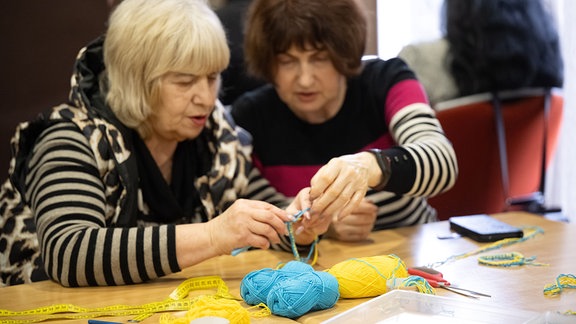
(508, 260)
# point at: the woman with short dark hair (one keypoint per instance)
(368, 121)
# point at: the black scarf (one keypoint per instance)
(178, 201)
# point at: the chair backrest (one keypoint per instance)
(469, 122)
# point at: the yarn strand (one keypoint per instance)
(292, 237)
(313, 248)
(529, 233)
(563, 281)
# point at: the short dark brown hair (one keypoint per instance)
(273, 26)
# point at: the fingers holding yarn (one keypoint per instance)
(340, 185)
(248, 223)
(261, 235)
(302, 201)
(318, 224)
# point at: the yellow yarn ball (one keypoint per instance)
(366, 277)
(211, 306)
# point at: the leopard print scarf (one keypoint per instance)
(227, 180)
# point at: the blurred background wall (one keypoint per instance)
(39, 42)
(40, 39)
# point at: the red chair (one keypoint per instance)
(488, 181)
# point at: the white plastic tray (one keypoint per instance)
(401, 306)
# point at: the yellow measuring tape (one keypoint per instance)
(176, 302)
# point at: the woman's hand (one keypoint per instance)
(300, 202)
(311, 224)
(248, 223)
(339, 186)
(356, 226)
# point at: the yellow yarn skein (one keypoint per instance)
(209, 305)
(366, 277)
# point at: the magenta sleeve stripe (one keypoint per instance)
(289, 179)
(402, 94)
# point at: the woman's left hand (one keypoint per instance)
(340, 185)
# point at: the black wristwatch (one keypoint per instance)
(384, 164)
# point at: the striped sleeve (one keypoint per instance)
(418, 131)
(259, 188)
(79, 245)
(422, 166)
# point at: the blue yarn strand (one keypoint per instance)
(296, 217)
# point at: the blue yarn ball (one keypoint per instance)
(293, 297)
(297, 266)
(291, 291)
(256, 285)
(330, 292)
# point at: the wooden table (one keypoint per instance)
(517, 287)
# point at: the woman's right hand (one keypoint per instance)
(339, 186)
(357, 226)
(247, 223)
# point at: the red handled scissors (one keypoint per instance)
(436, 279)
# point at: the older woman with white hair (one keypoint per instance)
(141, 173)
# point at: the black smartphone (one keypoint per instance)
(483, 228)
